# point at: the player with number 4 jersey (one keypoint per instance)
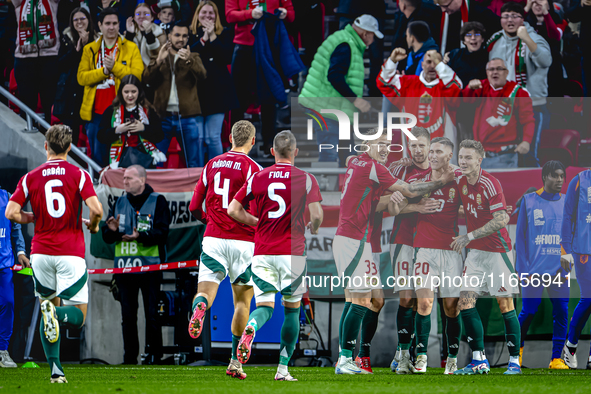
(228, 245)
(56, 191)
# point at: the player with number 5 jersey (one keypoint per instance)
(56, 190)
(281, 194)
(228, 245)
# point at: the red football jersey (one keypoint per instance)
(375, 225)
(56, 189)
(281, 193)
(480, 201)
(220, 180)
(436, 230)
(364, 177)
(404, 225)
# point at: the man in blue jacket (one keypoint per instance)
(538, 257)
(8, 231)
(576, 244)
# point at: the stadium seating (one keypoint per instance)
(559, 144)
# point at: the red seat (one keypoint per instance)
(561, 145)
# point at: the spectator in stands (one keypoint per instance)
(528, 58)
(174, 76)
(148, 36)
(581, 12)
(131, 123)
(542, 16)
(338, 71)
(458, 13)
(496, 5)
(347, 11)
(415, 10)
(419, 41)
(68, 98)
(244, 14)
(36, 55)
(504, 121)
(166, 17)
(124, 9)
(104, 62)
(146, 225)
(8, 30)
(217, 94)
(469, 62)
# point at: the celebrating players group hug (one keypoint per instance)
(255, 234)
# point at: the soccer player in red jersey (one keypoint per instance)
(281, 193)
(489, 265)
(228, 245)
(364, 175)
(435, 260)
(56, 190)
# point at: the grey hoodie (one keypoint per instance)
(537, 62)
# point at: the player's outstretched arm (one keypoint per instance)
(396, 202)
(316, 217)
(420, 188)
(424, 206)
(96, 213)
(500, 219)
(238, 213)
(15, 213)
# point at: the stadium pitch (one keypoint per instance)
(181, 379)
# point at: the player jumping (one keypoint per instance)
(281, 194)
(56, 190)
(489, 266)
(228, 246)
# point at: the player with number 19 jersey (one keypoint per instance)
(56, 190)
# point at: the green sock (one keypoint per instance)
(351, 329)
(453, 332)
(289, 334)
(342, 323)
(260, 316)
(70, 316)
(423, 329)
(197, 300)
(512, 332)
(52, 352)
(369, 325)
(405, 328)
(235, 341)
(474, 330)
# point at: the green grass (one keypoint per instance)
(181, 379)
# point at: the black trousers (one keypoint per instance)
(129, 286)
(37, 77)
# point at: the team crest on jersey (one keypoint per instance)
(539, 217)
(584, 258)
(425, 109)
(427, 195)
(465, 190)
(452, 194)
(478, 199)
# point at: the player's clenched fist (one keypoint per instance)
(475, 84)
(398, 54)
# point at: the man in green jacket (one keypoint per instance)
(336, 78)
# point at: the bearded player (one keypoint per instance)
(435, 260)
(489, 263)
(350, 247)
(281, 193)
(228, 246)
(56, 190)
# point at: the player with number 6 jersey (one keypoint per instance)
(281, 193)
(228, 245)
(56, 190)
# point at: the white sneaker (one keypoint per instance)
(5, 360)
(451, 366)
(51, 326)
(395, 361)
(59, 379)
(420, 365)
(405, 365)
(349, 367)
(288, 377)
(569, 359)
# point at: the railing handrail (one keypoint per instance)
(92, 166)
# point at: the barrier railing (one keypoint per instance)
(93, 168)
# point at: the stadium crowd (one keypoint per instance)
(201, 66)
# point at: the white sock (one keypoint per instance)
(514, 359)
(404, 352)
(282, 369)
(342, 360)
(478, 355)
(570, 344)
